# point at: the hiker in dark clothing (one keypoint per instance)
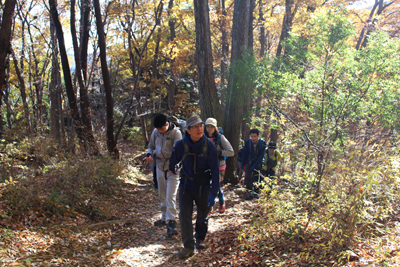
(199, 183)
(252, 157)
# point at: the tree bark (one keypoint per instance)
(285, 33)
(5, 46)
(22, 89)
(235, 95)
(84, 98)
(111, 144)
(248, 97)
(67, 74)
(262, 29)
(6, 97)
(84, 36)
(286, 25)
(224, 60)
(209, 102)
(56, 119)
(173, 79)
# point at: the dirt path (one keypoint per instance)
(150, 246)
(131, 240)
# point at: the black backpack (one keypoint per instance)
(202, 177)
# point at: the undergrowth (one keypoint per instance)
(358, 199)
(59, 184)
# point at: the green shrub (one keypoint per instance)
(358, 195)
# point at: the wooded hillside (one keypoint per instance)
(80, 82)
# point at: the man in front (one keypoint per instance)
(199, 183)
(253, 157)
(162, 141)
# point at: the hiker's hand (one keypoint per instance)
(211, 200)
(149, 159)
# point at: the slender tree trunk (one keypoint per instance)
(111, 144)
(173, 79)
(248, 97)
(155, 73)
(84, 36)
(209, 101)
(22, 89)
(285, 33)
(84, 98)
(224, 60)
(67, 74)
(236, 95)
(55, 105)
(37, 77)
(5, 46)
(262, 29)
(286, 25)
(6, 97)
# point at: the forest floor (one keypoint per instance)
(130, 239)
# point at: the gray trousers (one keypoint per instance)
(167, 190)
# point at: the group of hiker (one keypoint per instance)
(190, 158)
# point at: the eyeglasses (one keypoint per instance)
(197, 126)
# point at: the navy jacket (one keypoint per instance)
(253, 159)
(212, 162)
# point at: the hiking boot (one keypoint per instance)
(200, 244)
(171, 230)
(249, 196)
(256, 196)
(222, 207)
(159, 222)
(185, 253)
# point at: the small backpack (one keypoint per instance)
(220, 144)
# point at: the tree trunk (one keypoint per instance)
(209, 102)
(235, 95)
(67, 74)
(173, 80)
(286, 25)
(6, 97)
(285, 33)
(84, 98)
(262, 29)
(248, 97)
(5, 46)
(55, 103)
(111, 144)
(84, 36)
(37, 76)
(22, 89)
(224, 60)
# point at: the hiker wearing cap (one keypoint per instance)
(271, 160)
(162, 141)
(252, 157)
(199, 183)
(224, 149)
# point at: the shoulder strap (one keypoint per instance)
(185, 150)
(205, 148)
